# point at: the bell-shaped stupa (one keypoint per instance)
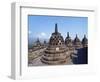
(69, 42)
(77, 43)
(56, 52)
(85, 41)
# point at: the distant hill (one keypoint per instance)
(31, 41)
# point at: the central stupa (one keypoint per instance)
(56, 52)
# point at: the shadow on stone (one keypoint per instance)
(82, 56)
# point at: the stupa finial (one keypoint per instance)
(76, 36)
(67, 34)
(84, 36)
(56, 28)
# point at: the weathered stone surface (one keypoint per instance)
(56, 50)
(84, 41)
(77, 43)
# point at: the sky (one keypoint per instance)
(44, 26)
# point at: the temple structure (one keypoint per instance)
(69, 42)
(84, 41)
(37, 45)
(56, 52)
(77, 43)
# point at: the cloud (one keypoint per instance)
(42, 35)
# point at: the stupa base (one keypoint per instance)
(57, 62)
(38, 62)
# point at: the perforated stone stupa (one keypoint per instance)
(77, 43)
(85, 41)
(69, 42)
(56, 52)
